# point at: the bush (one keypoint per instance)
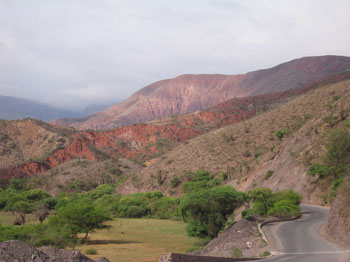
(175, 182)
(91, 251)
(199, 180)
(318, 169)
(289, 195)
(137, 205)
(100, 191)
(337, 157)
(37, 235)
(285, 209)
(165, 208)
(268, 174)
(281, 133)
(206, 211)
(264, 200)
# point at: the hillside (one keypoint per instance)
(190, 93)
(338, 226)
(12, 108)
(32, 147)
(246, 151)
(29, 139)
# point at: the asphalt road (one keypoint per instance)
(300, 241)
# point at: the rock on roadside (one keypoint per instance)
(19, 251)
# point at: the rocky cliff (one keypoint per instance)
(190, 93)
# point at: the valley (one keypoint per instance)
(177, 147)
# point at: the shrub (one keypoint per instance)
(268, 174)
(281, 133)
(318, 169)
(285, 209)
(262, 199)
(175, 182)
(265, 254)
(199, 180)
(165, 207)
(91, 251)
(337, 157)
(289, 195)
(207, 210)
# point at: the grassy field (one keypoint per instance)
(139, 240)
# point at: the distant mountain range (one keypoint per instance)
(12, 108)
(190, 93)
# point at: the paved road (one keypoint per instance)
(299, 240)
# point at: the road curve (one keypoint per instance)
(300, 241)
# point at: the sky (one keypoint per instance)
(72, 53)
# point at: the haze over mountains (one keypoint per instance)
(12, 108)
(189, 93)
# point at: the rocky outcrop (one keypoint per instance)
(18, 251)
(190, 93)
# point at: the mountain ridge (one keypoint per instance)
(189, 93)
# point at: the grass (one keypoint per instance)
(7, 218)
(142, 240)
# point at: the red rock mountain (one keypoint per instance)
(189, 93)
(50, 147)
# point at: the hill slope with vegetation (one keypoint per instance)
(275, 149)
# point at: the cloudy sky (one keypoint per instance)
(70, 53)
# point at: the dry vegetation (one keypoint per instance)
(22, 140)
(81, 175)
(141, 240)
(247, 150)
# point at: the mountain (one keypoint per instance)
(33, 148)
(12, 108)
(274, 149)
(190, 93)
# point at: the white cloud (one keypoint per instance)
(58, 51)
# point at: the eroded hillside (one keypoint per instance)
(284, 141)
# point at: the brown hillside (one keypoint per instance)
(338, 224)
(247, 150)
(190, 93)
(140, 141)
(29, 139)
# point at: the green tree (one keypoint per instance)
(80, 217)
(263, 200)
(288, 194)
(21, 208)
(285, 209)
(207, 211)
(337, 157)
